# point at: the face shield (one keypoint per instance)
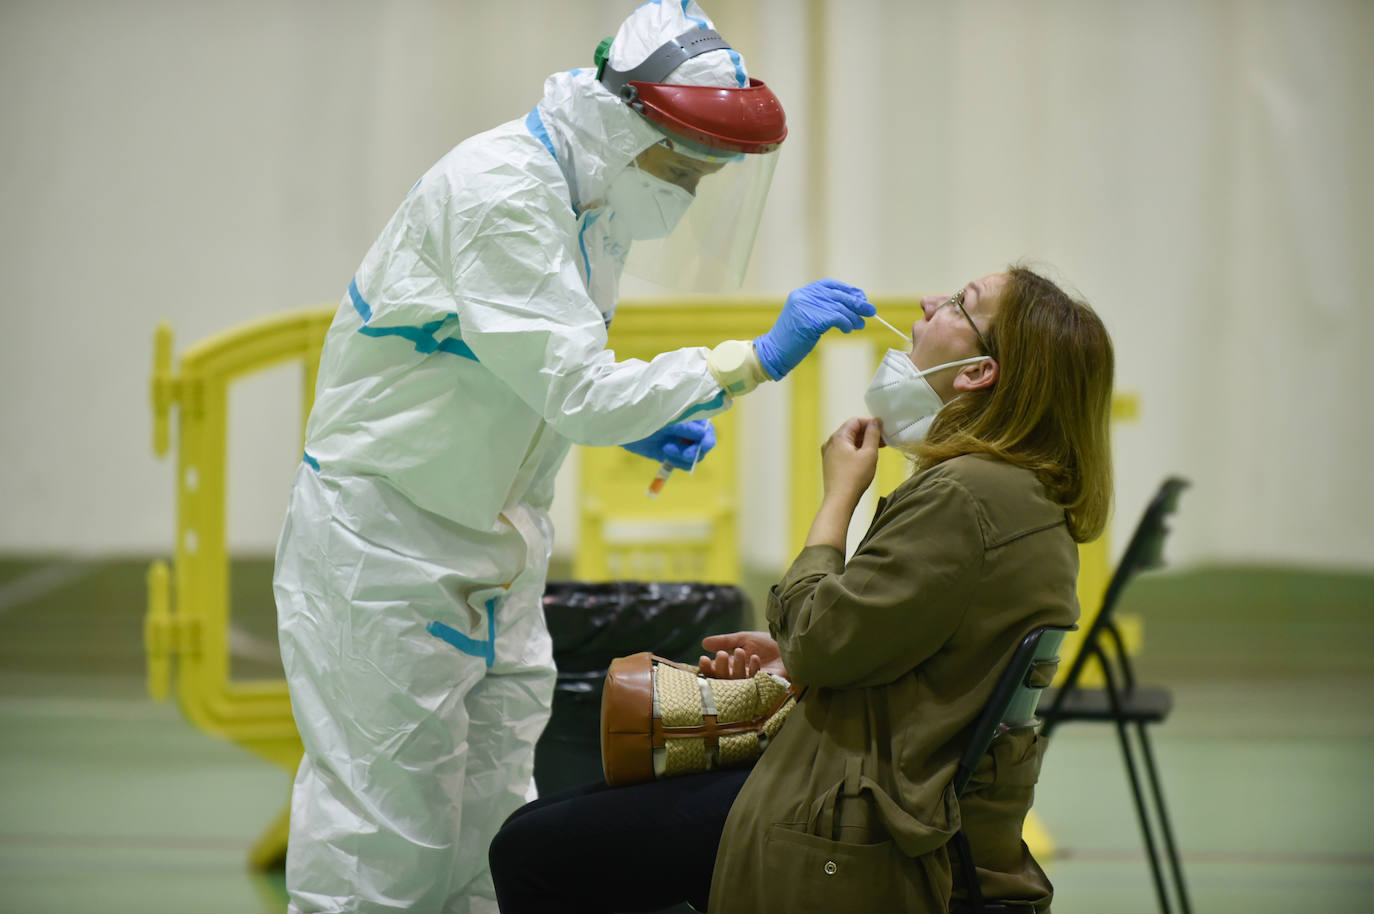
(719, 144)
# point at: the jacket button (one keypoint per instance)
(830, 867)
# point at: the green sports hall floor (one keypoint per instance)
(110, 802)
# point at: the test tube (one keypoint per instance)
(665, 470)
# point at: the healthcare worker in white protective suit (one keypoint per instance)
(467, 355)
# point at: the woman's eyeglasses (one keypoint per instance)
(957, 300)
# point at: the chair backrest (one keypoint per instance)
(1143, 552)
(1146, 548)
(1015, 696)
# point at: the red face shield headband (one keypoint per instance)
(747, 120)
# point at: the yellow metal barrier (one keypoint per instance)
(188, 607)
(691, 532)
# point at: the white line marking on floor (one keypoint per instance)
(105, 709)
(42, 581)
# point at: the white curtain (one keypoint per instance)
(1199, 171)
(1203, 172)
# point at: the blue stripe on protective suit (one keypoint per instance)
(363, 308)
(582, 242)
(422, 337)
(535, 123)
(311, 462)
(484, 649)
(715, 402)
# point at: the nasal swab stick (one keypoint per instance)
(892, 328)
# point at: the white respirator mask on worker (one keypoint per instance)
(645, 205)
(900, 395)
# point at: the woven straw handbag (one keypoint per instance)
(661, 719)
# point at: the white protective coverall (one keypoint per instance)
(467, 355)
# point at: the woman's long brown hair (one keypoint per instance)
(1049, 409)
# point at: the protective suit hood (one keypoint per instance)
(594, 134)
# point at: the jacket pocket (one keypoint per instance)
(915, 832)
(808, 874)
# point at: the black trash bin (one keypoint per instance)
(591, 625)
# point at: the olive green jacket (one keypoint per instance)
(850, 808)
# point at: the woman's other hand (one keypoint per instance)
(740, 655)
(849, 458)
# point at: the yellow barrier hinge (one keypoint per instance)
(157, 638)
(167, 389)
(186, 635)
(165, 634)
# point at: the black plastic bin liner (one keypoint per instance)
(591, 625)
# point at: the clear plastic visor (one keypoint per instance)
(708, 250)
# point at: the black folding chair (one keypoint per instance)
(1012, 705)
(1122, 701)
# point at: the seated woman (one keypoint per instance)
(1003, 403)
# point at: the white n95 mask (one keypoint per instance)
(645, 205)
(900, 395)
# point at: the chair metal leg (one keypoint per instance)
(1175, 866)
(1146, 831)
(1113, 697)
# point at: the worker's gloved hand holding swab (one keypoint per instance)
(808, 313)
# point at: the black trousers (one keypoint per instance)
(599, 849)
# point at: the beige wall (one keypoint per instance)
(1199, 170)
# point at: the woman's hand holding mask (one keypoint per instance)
(848, 461)
(850, 458)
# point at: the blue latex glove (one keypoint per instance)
(680, 444)
(809, 312)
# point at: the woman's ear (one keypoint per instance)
(979, 376)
